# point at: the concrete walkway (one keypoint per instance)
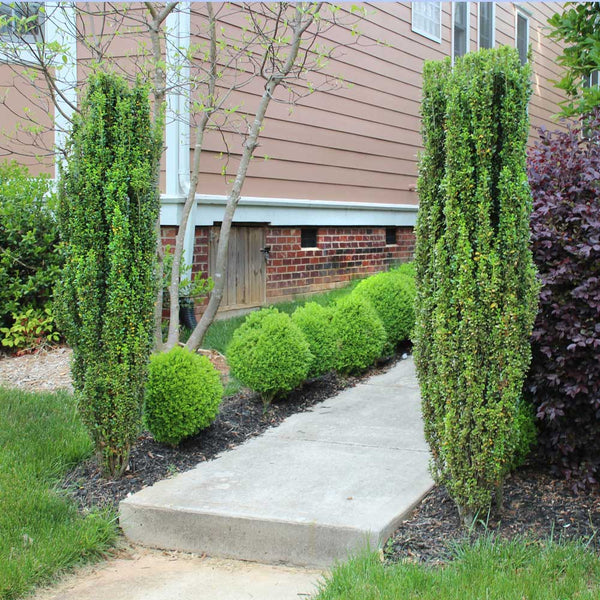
(323, 484)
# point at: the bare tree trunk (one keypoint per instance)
(159, 93)
(302, 21)
(173, 336)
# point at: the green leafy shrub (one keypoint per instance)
(109, 205)
(183, 395)
(314, 320)
(407, 268)
(360, 334)
(269, 354)
(392, 295)
(477, 295)
(29, 257)
(30, 329)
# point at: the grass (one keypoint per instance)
(41, 530)
(220, 332)
(486, 570)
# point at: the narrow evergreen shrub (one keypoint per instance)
(269, 354)
(477, 291)
(564, 174)
(392, 295)
(29, 256)
(183, 395)
(107, 216)
(314, 321)
(360, 334)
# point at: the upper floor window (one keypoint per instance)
(487, 16)
(522, 35)
(21, 20)
(427, 19)
(593, 80)
(460, 29)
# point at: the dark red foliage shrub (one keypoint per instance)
(564, 173)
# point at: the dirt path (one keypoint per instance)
(142, 574)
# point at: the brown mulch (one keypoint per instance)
(537, 505)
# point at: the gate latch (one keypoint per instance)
(266, 250)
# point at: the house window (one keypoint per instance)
(487, 16)
(460, 29)
(427, 19)
(390, 236)
(593, 80)
(21, 20)
(308, 237)
(522, 36)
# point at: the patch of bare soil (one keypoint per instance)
(43, 371)
(536, 505)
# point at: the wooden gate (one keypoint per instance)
(246, 267)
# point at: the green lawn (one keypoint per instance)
(220, 332)
(41, 530)
(488, 570)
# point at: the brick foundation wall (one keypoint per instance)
(341, 254)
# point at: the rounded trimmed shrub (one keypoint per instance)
(392, 295)
(360, 334)
(269, 354)
(314, 321)
(183, 395)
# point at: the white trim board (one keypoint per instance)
(285, 212)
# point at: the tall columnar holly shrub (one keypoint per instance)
(564, 174)
(108, 210)
(477, 290)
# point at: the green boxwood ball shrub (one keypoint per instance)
(392, 295)
(314, 321)
(183, 395)
(360, 334)
(269, 354)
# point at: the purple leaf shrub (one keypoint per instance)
(564, 174)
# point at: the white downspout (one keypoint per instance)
(61, 28)
(177, 135)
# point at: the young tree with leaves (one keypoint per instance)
(277, 45)
(578, 29)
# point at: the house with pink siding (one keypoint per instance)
(331, 193)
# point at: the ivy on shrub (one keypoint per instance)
(314, 321)
(392, 295)
(477, 296)
(360, 334)
(29, 257)
(183, 395)
(269, 354)
(564, 174)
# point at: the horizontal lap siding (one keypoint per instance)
(360, 140)
(357, 142)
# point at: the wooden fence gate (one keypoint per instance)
(246, 268)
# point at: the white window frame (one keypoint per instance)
(467, 29)
(28, 37)
(522, 12)
(589, 84)
(424, 32)
(479, 5)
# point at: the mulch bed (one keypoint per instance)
(537, 505)
(241, 417)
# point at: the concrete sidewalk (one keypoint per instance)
(321, 485)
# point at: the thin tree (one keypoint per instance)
(238, 45)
